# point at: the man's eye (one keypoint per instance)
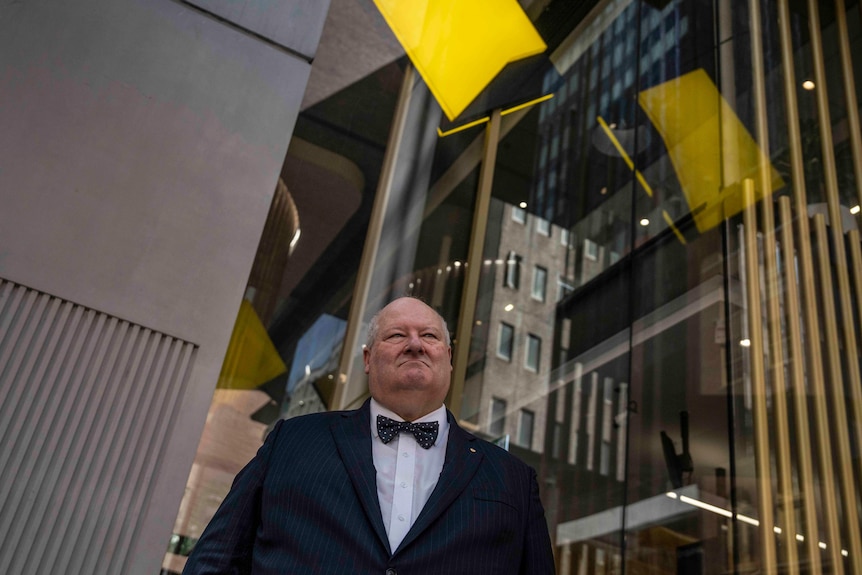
(431, 335)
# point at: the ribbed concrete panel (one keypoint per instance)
(89, 401)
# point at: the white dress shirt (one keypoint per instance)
(406, 473)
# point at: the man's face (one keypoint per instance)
(409, 363)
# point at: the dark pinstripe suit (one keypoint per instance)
(307, 503)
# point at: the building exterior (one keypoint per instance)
(645, 243)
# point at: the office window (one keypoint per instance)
(543, 226)
(497, 425)
(540, 283)
(534, 348)
(505, 341)
(525, 428)
(513, 271)
(519, 214)
(565, 236)
(591, 250)
(564, 287)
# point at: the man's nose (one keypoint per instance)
(414, 343)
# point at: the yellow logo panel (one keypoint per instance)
(710, 148)
(459, 46)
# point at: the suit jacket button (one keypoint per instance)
(391, 571)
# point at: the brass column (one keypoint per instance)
(787, 520)
(760, 413)
(464, 331)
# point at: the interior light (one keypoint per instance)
(295, 238)
(613, 126)
(745, 342)
(509, 307)
(777, 530)
(478, 322)
(822, 545)
(854, 210)
(457, 264)
(844, 552)
(808, 85)
(488, 262)
(644, 222)
(523, 205)
(800, 537)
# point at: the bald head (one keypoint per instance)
(408, 358)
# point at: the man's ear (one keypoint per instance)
(365, 357)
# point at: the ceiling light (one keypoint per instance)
(808, 85)
(855, 209)
(509, 307)
(644, 222)
(457, 264)
(523, 205)
(745, 342)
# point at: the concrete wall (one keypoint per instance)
(140, 145)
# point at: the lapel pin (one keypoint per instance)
(472, 450)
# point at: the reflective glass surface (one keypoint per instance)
(666, 323)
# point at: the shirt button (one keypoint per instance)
(404, 484)
(391, 571)
(400, 518)
(405, 454)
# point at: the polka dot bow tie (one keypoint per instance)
(425, 432)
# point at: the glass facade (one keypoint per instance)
(652, 273)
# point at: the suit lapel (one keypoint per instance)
(352, 437)
(458, 470)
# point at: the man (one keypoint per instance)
(363, 492)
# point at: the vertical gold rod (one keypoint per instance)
(787, 519)
(342, 395)
(839, 265)
(855, 133)
(773, 308)
(792, 302)
(466, 316)
(814, 367)
(800, 394)
(856, 259)
(841, 437)
(758, 384)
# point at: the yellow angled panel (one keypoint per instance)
(459, 46)
(708, 145)
(251, 358)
